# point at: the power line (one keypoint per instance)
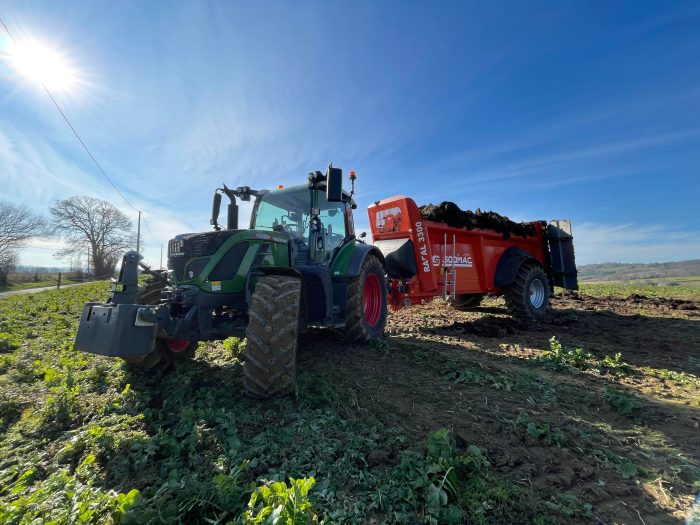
(80, 139)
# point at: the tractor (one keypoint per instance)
(299, 265)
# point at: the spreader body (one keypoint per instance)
(426, 259)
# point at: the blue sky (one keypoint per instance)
(539, 110)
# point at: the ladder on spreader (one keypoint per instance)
(449, 271)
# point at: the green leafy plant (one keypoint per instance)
(66, 498)
(560, 356)
(276, 503)
(614, 366)
(541, 432)
(8, 342)
(625, 403)
(235, 345)
(430, 482)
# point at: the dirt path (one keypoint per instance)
(551, 429)
(37, 290)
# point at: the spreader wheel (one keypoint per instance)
(367, 302)
(271, 349)
(528, 296)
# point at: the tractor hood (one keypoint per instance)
(187, 246)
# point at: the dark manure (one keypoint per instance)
(449, 213)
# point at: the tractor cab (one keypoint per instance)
(316, 226)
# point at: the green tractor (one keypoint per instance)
(299, 265)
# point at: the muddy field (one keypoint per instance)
(547, 426)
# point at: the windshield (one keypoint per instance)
(284, 210)
(289, 210)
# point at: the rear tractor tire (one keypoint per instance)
(469, 301)
(273, 323)
(367, 302)
(528, 296)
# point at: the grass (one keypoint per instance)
(12, 287)
(624, 289)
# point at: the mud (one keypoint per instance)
(477, 373)
(450, 214)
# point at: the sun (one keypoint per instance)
(41, 64)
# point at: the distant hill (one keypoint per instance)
(637, 272)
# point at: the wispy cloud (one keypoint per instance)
(596, 243)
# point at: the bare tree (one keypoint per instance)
(94, 224)
(8, 262)
(17, 226)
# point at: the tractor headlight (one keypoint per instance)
(175, 248)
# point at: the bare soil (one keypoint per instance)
(478, 373)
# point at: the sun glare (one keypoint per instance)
(39, 63)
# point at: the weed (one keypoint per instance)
(569, 505)
(429, 482)
(8, 342)
(623, 402)
(614, 366)
(466, 375)
(560, 356)
(380, 344)
(624, 466)
(66, 498)
(680, 378)
(235, 345)
(277, 503)
(540, 432)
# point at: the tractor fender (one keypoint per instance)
(359, 255)
(509, 264)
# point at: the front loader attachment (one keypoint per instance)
(115, 328)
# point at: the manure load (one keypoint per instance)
(449, 213)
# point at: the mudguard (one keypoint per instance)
(359, 255)
(508, 265)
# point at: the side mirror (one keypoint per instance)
(363, 235)
(215, 207)
(334, 184)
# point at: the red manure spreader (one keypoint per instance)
(442, 251)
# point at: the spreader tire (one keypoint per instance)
(528, 296)
(469, 301)
(367, 302)
(270, 352)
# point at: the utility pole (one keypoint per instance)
(161, 257)
(138, 236)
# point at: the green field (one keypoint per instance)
(25, 281)
(414, 429)
(27, 285)
(688, 288)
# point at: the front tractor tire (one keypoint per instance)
(273, 325)
(528, 296)
(367, 302)
(165, 351)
